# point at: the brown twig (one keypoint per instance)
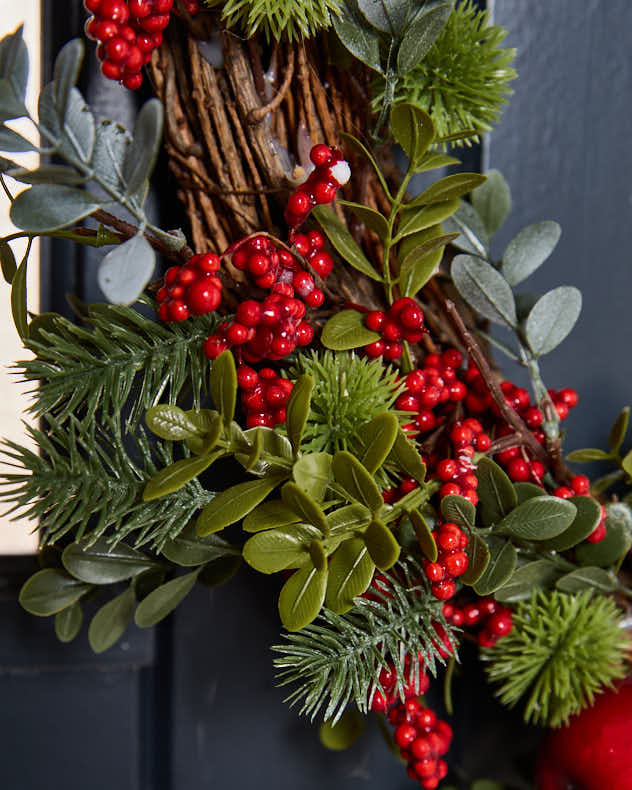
(128, 231)
(511, 417)
(257, 114)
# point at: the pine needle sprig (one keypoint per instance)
(337, 659)
(118, 359)
(348, 392)
(463, 81)
(278, 18)
(86, 483)
(563, 650)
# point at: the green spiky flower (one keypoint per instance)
(562, 651)
(277, 18)
(348, 393)
(463, 81)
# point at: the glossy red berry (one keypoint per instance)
(580, 485)
(500, 624)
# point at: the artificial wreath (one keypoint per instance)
(309, 387)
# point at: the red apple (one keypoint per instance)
(594, 752)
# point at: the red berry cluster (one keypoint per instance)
(191, 289)
(330, 173)
(128, 31)
(273, 328)
(403, 321)
(413, 687)
(493, 619)
(451, 561)
(264, 396)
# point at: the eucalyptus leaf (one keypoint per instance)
(14, 67)
(413, 219)
(540, 518)
(425, 537)
(51, 590)
(478, 557)
(552, 318)
(304, 506)
(473, 237)
(413, 129)
(527, 251)
(111, 621)
(177, 475)
(48, 207)
(126, 270)
(68, 623)
(350, 574)
(298, 410)
(277, 549)
(539, 574)
(420, 35)
(496, 494)
(388, 16)
(382, 545)
(501, 565)
(448, 188)
(143, 152)
(369, 216)
(343, 242)
(458, 510)
(301, 597)
(354, 478)
(586, 579)
(101, 563)
(233, 504)
(381, 434)
(485, 289)
(75, 137)
(586, 520)
(312, 473)
(111, 146)
(357, 35)
(189, 549)
(492, 201)
(13, 142)
(66, 73)
(223, 386)
(164, 599)
(345, 330)
(49, 174)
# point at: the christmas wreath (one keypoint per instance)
(309, 388)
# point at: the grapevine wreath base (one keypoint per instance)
(321, 338)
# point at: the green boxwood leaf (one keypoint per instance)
(51, 590)
(301, 597)
(587, 455)
(298, 410)
(420, 35)
(369, 216)
(189, 549)
(587, 518)
(432, 160)
(346, 330)
(223, 385)
(348, 518)
(48, 207)
(537, 574)
(540, 518)
(233, 504)
(414, 219)
(312, 473)
(274, 445)
(110, 623)
(220, 571)
(618, 430)
(608, 551)
(356, 480)
(501, 565)
(485, 289)
(304, 506)
(357, 35)
(552, 318)
(68, 623)
(171, 423)
(177, 475)
(101, 563)
(382, 545)
(343, 733)
(350, 574)
(526, 491)
(381, 434)
(343, 242)
(587, 579)
(425, 537)
(478, 559)
(528, 250)
(405, 454)
(126, 270)
(496, 494)
(269, 515)
(142, 153)
(164, 599)
(413, 129)
(449, 188)
(492, 201)
(626, 463)
(418, 268)
(277, 549)
(459, 511)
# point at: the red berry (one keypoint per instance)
(411, 317)
(91, 5)
(236, 334)
(563, 492)
(448, 539)
(375, 349)
(155, 23)
(568, 396)
(483, 443)
(315, 298)
(452, 358)
(139, 8)
(214, 345)
(112, 71)
(374, 320)
(456, 563)
(426, 767)
(580, 485)
(247, 377)
(471, 614)
(434, 572)
(404, 735)
(322, 263)
(324, 192)
(203, 297)
(598, 533)
(443, 590)
(446, 469)
(135, 60)
(117, 49)
(299, 203)
(533, 417)
(391, 330)
(320, 155)
(450, 489)
(304, 334)
(115, 10)
(379, 703)
(415, 381)
(518, 470)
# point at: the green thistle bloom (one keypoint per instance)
(463, 81)
(278, 18)
(562, 651)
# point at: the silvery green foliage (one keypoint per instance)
(103, 164)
